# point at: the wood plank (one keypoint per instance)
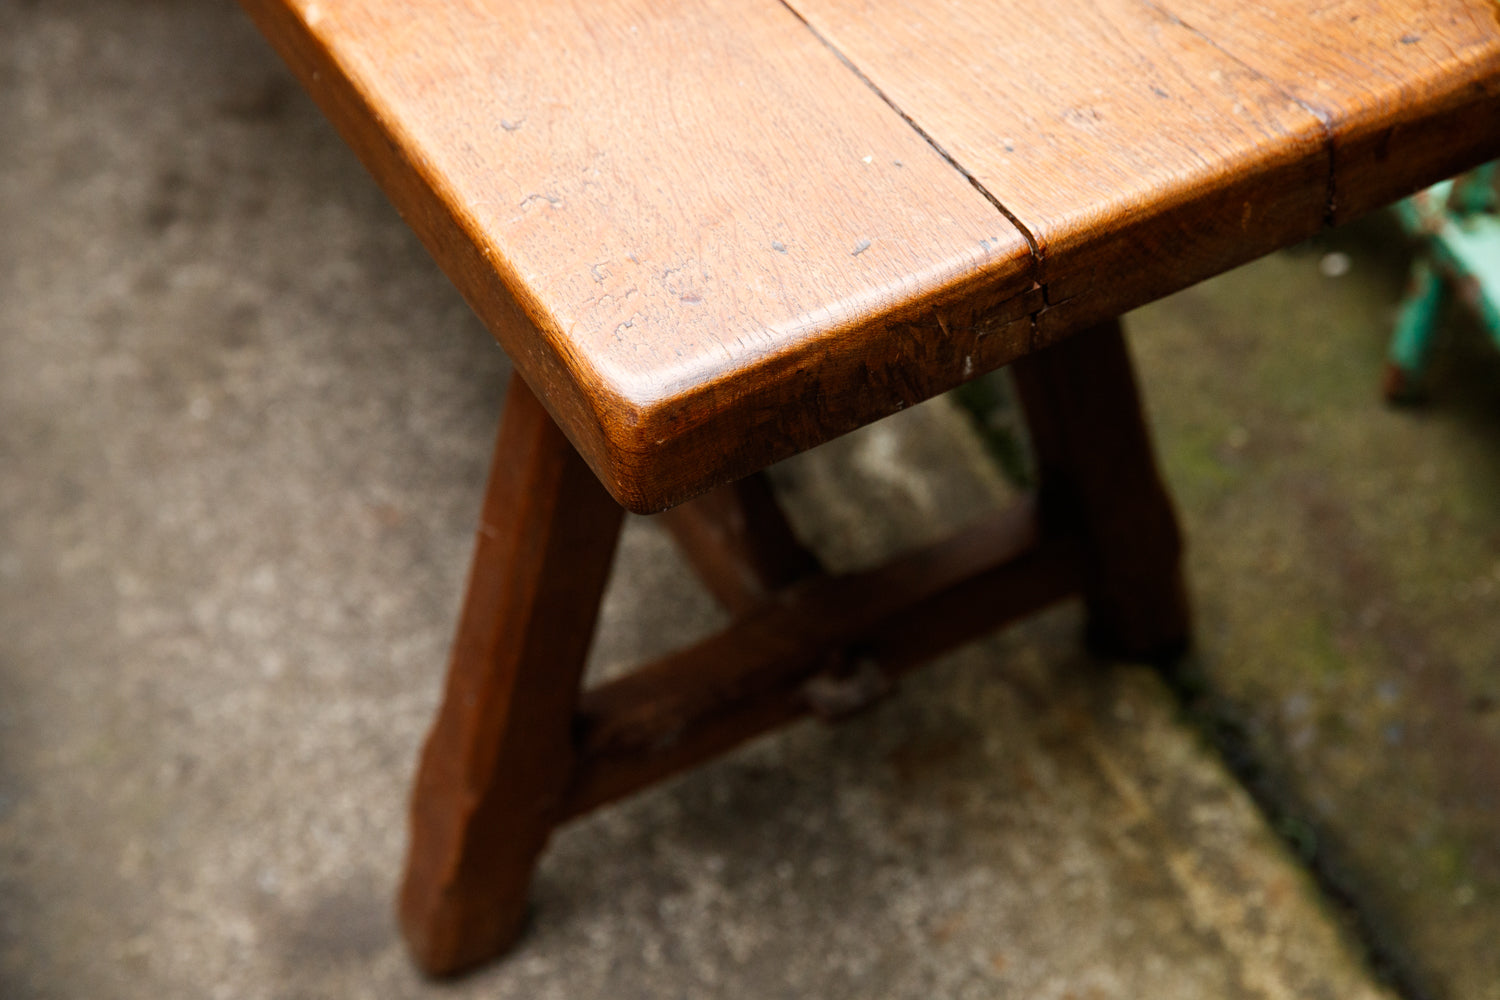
(1138, 155)
(700, 237)
(740, 543)
(1408, 92)
(1099, 483)
(701, 701)
(499, 755)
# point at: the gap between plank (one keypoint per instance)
(1031, 241)
(1323, 118)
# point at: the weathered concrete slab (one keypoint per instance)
(1346, 560)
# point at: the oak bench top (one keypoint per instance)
(711, 233)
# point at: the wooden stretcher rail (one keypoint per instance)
(847, 635)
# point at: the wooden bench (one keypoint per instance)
(712, 234)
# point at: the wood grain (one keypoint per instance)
(740, 543)
(495, 766)
(714, 695)
(1099, 484)
(1407, 92)
(1147, 144)
(713, 233)
(1138, 156)
(702, 240)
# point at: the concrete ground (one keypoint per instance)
(1346, 563)
(243, 424)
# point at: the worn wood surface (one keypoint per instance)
(1099, 484)
(712, 234)
(1146, 144)
(493, 772)
(1407, 92)
(740, 543)
(757, 674)
(700, 238)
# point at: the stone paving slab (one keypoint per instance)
(1345, 556)
(243, 424)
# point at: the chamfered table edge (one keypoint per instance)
(653, 451)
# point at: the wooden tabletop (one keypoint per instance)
(711, 233)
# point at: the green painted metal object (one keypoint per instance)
(1458, 222)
